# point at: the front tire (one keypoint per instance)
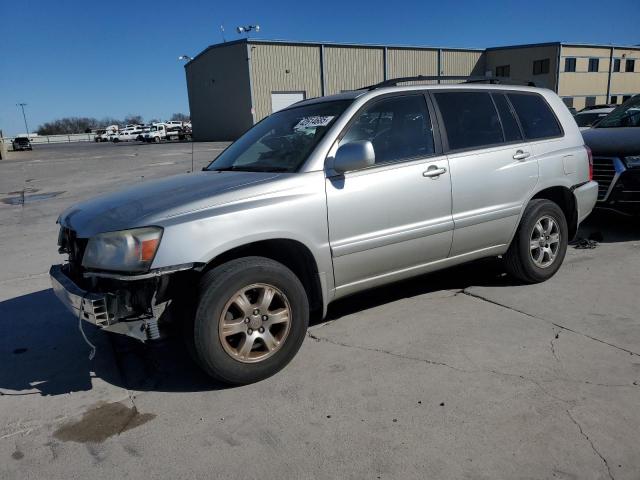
(251, 320)
(540, 244)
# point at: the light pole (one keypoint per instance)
(187, 58)
(22, 105)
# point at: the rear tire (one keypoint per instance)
(239, 335)
(540, 243)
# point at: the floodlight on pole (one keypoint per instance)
(247, 29)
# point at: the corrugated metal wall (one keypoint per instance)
(349, 68)
(406, 62)
(456, 62)
(283, 68)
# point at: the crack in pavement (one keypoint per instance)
(435, 363)
(593, 447)
(562, 327)
(553, 347)
(386, 352)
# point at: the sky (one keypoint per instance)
(98, 59)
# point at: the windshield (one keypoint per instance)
(283, 141)
(626, 115)
(588, 119)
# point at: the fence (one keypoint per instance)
(74, 137)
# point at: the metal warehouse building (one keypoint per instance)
(233, 85)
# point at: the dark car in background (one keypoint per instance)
(615, 144)
(21, 143)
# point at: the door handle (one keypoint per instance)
(521, 155)
(434, 172)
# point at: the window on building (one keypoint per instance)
(630, 65)
(503, 71)
(614, 99)
(399, 128)
(568, 101)
(616, 64)
(594, 64)
(541, 66)
(625, 98)
(507, 118)
(569, 64)
(470, 119)
(536, 118)
(590, 101)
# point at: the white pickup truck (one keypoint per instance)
(162, 131)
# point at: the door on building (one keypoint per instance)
(395, 216)
(280, 100)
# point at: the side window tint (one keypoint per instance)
(536, 117)
(470, 118)
(399, 128)
(509, 123)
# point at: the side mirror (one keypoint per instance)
(354, 156)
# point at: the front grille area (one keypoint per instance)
(604, 171)
(72, 245)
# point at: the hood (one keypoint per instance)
(613, 142)
(150, 202)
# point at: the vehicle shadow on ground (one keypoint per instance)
(607, 226)
(42, 352)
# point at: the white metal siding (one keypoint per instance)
(280, 100)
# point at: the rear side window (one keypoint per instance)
(535, 115)
(470, 119)
(508, 119)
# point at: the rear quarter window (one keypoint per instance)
(536, 117)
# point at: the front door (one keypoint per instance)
(387, 221)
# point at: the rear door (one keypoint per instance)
(493, 170)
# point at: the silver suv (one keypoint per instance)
(326, 198)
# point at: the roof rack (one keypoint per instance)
(467, 79)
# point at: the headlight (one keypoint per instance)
(632, 162)
(125, 251)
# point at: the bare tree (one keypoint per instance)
(67, 125)
(133, 119)
(180, 117)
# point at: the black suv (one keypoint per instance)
(615, 143)
(21, 143)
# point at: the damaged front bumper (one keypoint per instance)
(135, 308)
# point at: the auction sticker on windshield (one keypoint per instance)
(316, 121)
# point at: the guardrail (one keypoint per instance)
(73, 137)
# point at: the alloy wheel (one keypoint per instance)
(545, 241)
(255, 323)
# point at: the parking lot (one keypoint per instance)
(459, 374)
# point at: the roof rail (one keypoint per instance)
(467, 79)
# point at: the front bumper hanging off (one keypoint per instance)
(105, 310)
